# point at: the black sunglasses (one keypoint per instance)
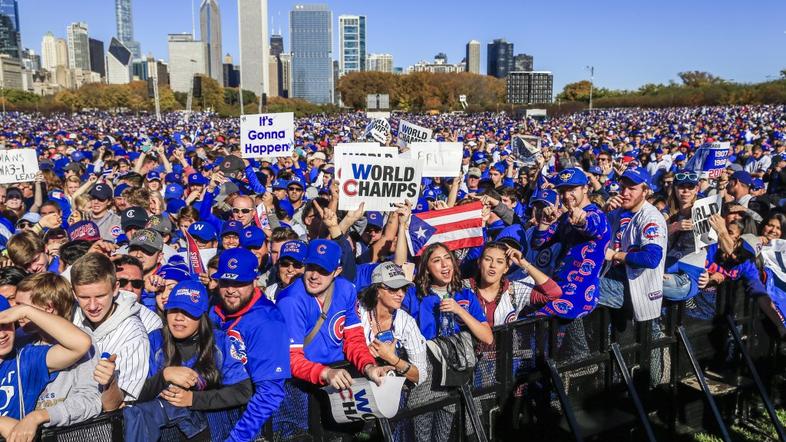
(24, 225)
(294, 189)
(135, 283)
(286, 264)
(244, 210)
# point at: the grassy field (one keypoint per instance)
(764, 431)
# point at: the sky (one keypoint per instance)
(629, 43)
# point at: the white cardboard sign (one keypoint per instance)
(703, 233)
(378, 182)
(18, 165)
(364, 400)
(409, 133)
(378, 130)
(439, 159)
(267, 135)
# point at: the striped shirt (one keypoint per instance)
(124, 335)
(149, 318)
(409, 338)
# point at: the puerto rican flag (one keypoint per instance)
(457, 227)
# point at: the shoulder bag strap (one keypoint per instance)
(322, 316)
(20, 392)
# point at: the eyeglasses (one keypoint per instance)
(294, 189)
(135, 283)
(287, 264)
(24, 225)
(686, 176)
(243, 210)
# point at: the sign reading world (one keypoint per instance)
(267, 135)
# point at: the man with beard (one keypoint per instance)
(257, 336)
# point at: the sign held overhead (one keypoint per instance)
(267, 135)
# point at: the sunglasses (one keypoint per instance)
(287, 264)
(686, 176)
(244, 210)
(24, 225)
(135, 283)
(294, 189)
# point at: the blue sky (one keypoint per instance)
(630, 43)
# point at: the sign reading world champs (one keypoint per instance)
(267, 135)
(377, 182)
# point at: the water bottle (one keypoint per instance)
(446, 321)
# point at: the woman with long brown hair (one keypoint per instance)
(677, 284)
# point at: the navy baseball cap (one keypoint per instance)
(547, 196)
(189, 296)
(743, 177)
(571, 177)
(174, 205)
(237, 264)
(252, 237)
(202, 230)
(101, 191)
(325, 254)
(134, 217)
(375, 219)
(232, 226)
(637, 175)
(296, 250)
(197, 179)
(173, 191)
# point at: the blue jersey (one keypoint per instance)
(581, 259)
(302, 310)
(35, 375)
(231, 369)
(427, 313)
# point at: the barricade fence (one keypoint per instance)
(692, 369)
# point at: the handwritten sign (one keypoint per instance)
(703, 233)
(18, 165)
(438, 159)
(267, 135)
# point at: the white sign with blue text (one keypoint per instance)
(267, 135)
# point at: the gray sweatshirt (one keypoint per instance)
(73, 396)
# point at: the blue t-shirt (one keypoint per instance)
(232, 370)
(301, 311)
(428, 311)
(35, 376)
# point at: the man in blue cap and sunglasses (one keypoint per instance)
(257, 335)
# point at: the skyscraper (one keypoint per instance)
(380, 63)
(276, 44)
(125, 27)
(10, 38)
(285, 85)
(187, 57)
(231, 73)
(311, 40)
(97, 57)
(473, 57)
(254, 46)
(210, 33)
(118, 63)
(522, 62)
(61, 52)
(78, 46)
(351, 43)
(529, 87)
(500, 58)
(48, 51)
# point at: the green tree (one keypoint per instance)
(698, 79)
(578, 91)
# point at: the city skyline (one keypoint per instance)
(744, 53)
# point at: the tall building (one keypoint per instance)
(11, 72)
(30, 60)
(231, 73)
(10, 37)
(311, 40)
(125, 27)
(61, 52)
(49, 51)
(118, 63)
(530, 87)
(285, 85)
(500, 58)
(473, 57)
(254, 46)
(523, 62)
(157, 69)
(276, 44)
(78, 46)
(97, 57)
(274, 66)
(139, 70)
(187, 57)
(351, 43)
(380, 63)
(210, 33)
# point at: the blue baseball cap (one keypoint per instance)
(743, 177)
(189, 296)
(237, 264)
(479, 157)
(151, 176)
(173, 177)
(325, 254)
(547, 196)
(174, 205)
(202, 230)
(232, 226)
(429, 194)
(758, 184)
(280, 184)
(296, 181)
(637, 175)
(4, 304)
(571, 177)
(252, 237)
(375, 219)
(118, 192)
(420, 206)
(173, 191)
(595, 170)
(174, 272)
(296, 250)
(197, 179)
(679, 158)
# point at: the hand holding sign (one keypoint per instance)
(337, 378)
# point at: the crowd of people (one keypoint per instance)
(149, 267)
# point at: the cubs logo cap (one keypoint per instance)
(324, 253)
(571, 177)
(237, 264)
(189, 296)
(133, 217)
(295, 250)
(202, 230)
(391, 275)
(375, 219)
(253, 237)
